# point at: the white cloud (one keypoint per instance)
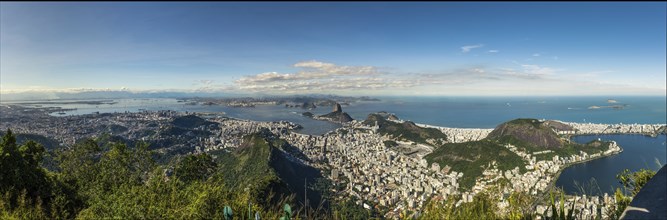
(468, 48)
(206, 81)
(538, 70)
(317, 68)
(318, 77)
(315, 75)
(529, 72)
(591, 74)
(311, 70)
(494, 51)
(536, 54)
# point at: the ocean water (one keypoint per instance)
(467, 112)
(463, 112)
(485, 112)
(598, 176)
(259, 113)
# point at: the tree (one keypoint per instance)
(27, 190)
(195, 167)
(634, 181)
(20, 170)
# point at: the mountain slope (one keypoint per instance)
(529, 135)
(406, 130)
(261, 165)
(529, 130)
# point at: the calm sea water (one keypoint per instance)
(463, 112)
(469, 112)
(597, 177)
(484, 112)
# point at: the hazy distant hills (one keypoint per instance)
(191, 122)
(316, 99)
(48, 95)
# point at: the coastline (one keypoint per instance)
(557, 175)
(552, 184)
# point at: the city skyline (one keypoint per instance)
(397, 48)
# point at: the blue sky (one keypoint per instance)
(395, 48)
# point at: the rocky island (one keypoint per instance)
(337, 115)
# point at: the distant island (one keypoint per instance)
(305, 102)
(618, 107)
(60, 102)
(381, 165)
(337, 115)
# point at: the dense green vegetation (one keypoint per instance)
(472, 158)
(528, 130)
(27, 190)
(632, 183)
(484, 206)
(190, 121)
(528, 135)
(48, 143)
(567, 149)
(390, 144)
(102, 179)
(113, 180)
(406, 130)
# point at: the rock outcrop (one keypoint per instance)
(529, 130)
(558, 126)
(308, 105)
(337, 115)
(406, 130)
(393, 117)
(337, 108)
(650, 202)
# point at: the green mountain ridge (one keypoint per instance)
(530, 135)
(405, 131)
(261, 165)
(530, 131)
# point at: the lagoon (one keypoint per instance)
(598, 176)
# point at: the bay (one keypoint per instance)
(464, 112)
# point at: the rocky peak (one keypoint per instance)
(529, 130)
(337, 108)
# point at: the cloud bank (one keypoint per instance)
(316, 75)
(519, 79)
(319, 76)
(323, 77)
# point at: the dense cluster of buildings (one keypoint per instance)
(68, 129)
(354, 157)
(591, 128)
(458, 135)
(231, 132)
(539, 176)
(357, 157)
